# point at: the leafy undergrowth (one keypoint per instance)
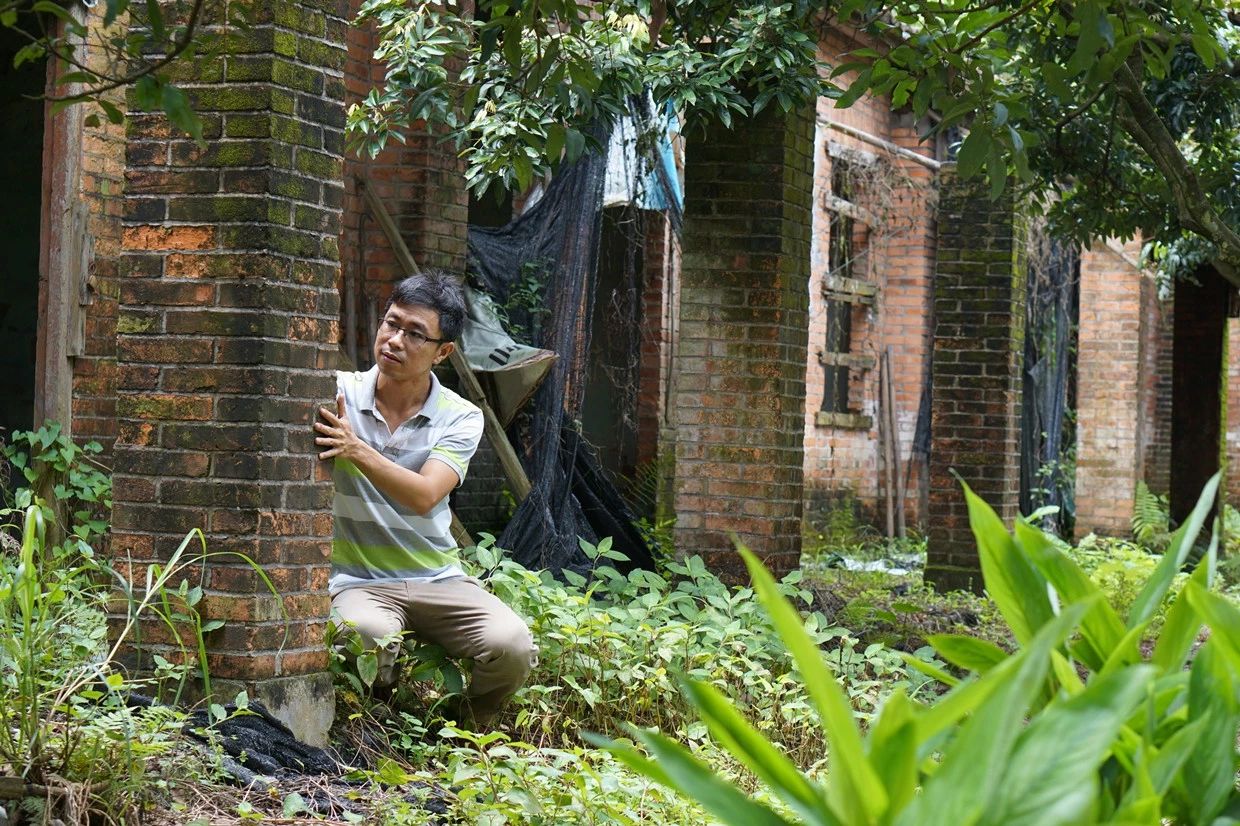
(610, 653)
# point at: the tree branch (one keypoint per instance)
(180, 46)
(1142, 123)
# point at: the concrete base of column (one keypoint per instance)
(306, 703)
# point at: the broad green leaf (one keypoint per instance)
(853, 789)
(368, 667)
(1223, 618)
(1046, 783)
(1017, 588)
(892, 743)
(674, 767)
(767, 762)
(1101, 629)
(962, 790)
(1182, 540)
(969, 653)
(1183, 623)
(973, 152)
(1210, 772)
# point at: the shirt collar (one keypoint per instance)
(366, 398)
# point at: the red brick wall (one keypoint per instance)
(227, 329)
(739, 369)
(979, 307)
(843, 462)
(94, 372)
(1112, 352)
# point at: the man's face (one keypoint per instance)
(407, 346)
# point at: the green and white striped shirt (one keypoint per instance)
(375, 537)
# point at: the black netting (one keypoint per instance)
(556, 243)
(1049, 365)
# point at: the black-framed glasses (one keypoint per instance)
(412, 336)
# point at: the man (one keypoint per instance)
(401, 442)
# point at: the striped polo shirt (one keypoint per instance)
(375, 537)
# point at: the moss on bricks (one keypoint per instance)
(294, 242)
(283, 101)
(285, 43)
(294, 131)
(217, 208)
(248, 67)
(318, 53)
(133, 324)
(295, 187)
(230, 98)
(295, 76)
(318, 165)
(247, 41)
(279, 212)
(246, 125)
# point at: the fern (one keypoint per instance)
(1151, 516)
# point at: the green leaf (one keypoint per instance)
(767, 762)
(961, 791)
(1210, 771)
(155, 17)
(973, 152)
(1101, 629)
(576, 143)
(555, 143)
(176, 106)
(853, 787)
(1092, 19)
(969, 653)
(892, 744)
(294, 804)
(1182, 540)
(1183, 624)
(674, 767)
(1046, 783)
(368, 667)
(1017, 588)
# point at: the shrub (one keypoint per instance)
(1074, 726)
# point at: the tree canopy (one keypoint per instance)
(1119, 116)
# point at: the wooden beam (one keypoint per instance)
(513, 471)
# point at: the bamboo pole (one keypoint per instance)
(894, 436)
(885, 448)
(515, 473)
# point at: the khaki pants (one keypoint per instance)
(458, 614)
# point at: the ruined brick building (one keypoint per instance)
(185, 307)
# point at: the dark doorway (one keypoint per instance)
(21, 164)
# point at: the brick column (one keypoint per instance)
(738, 384)
(1110, 393)
(227, 326)
(979, 305)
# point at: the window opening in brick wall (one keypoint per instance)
(844, 288)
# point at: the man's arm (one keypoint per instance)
(419, 490)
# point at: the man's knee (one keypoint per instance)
(370, 625)
(510, 645)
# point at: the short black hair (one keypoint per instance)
(438, 290)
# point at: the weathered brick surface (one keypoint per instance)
(738, 382)
(842, 464)
(227, 327)
(1111, 354)
(979, 297)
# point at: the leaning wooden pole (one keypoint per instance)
(515, 473)
(893, 434)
